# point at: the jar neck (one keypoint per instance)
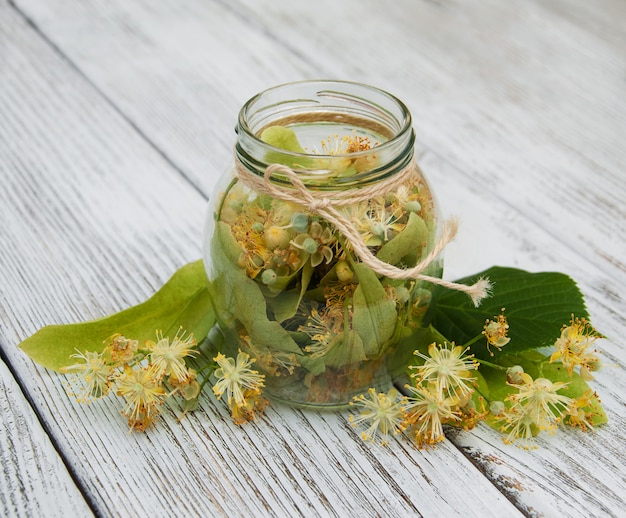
(339, 134)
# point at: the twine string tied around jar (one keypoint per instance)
(326, 204)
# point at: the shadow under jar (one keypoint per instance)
(293, 286)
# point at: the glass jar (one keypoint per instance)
(309, 234)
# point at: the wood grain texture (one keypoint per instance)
(33, 475)
(520, 113)
(523, 98)
(519, 108)
(96, 219)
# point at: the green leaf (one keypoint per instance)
(537, 306)
(241, 297)
(285, 304)
(374, 317)
(346, 349)
(184, 301)
(413, 237)
(284, 138)
(243, 300)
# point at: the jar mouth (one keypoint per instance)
(371, 109)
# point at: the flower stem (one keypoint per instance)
(474, 340)
(489, 364)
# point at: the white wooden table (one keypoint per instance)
(116, 119)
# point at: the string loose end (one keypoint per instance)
(480, 290)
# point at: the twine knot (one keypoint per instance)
(319, 203)
(326, 205)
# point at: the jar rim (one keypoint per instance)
(398, 125)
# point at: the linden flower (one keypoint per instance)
(496, 332)
(571, 347)
(167, 358)
(426, 412)
(375, 225)
(536, 406)
(337, 147)
(322, 329)
(317, 243)
(470, 415)
(120, 349)
(144, 395)
(273, 362)
(447, 369)
(384, 413)
(253, 406)
(522, 428)
(406, 199)
(93, 374)
(234, 377)
(580, 413)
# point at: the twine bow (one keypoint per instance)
(326, 205)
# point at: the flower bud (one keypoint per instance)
(344, 272)
(497, 408)
(268, 277)
(309, 245)
(276, 237)
(514, 375)
(257, 227)
(378, 229)
(300, 222)
(413, 206)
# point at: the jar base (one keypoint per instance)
(382, 383)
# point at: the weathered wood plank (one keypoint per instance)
(523, 101)
(519, 106)
(94, 219)
(33, 474)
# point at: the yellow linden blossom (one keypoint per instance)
(144, 395)
(372, 220)
(383, 412)
(253, 406)
(471, 413)
(93, 374)
(167, 358)
(234, 377)
(496, 332)
(535, 407)
(447, 370)
(317, 244)
(120, 349)
(323, 329)
(571, 347)
(274, 363)
(580, 412)
(426, 413)
(340, 146)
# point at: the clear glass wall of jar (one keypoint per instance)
(291, 288)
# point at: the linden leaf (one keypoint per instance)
(347, 349)
(242, 300)
(183, 301)
(283, 138)
(375, 316)
(412, 238)
(241, 297)
(537, 306)
(286, 303)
